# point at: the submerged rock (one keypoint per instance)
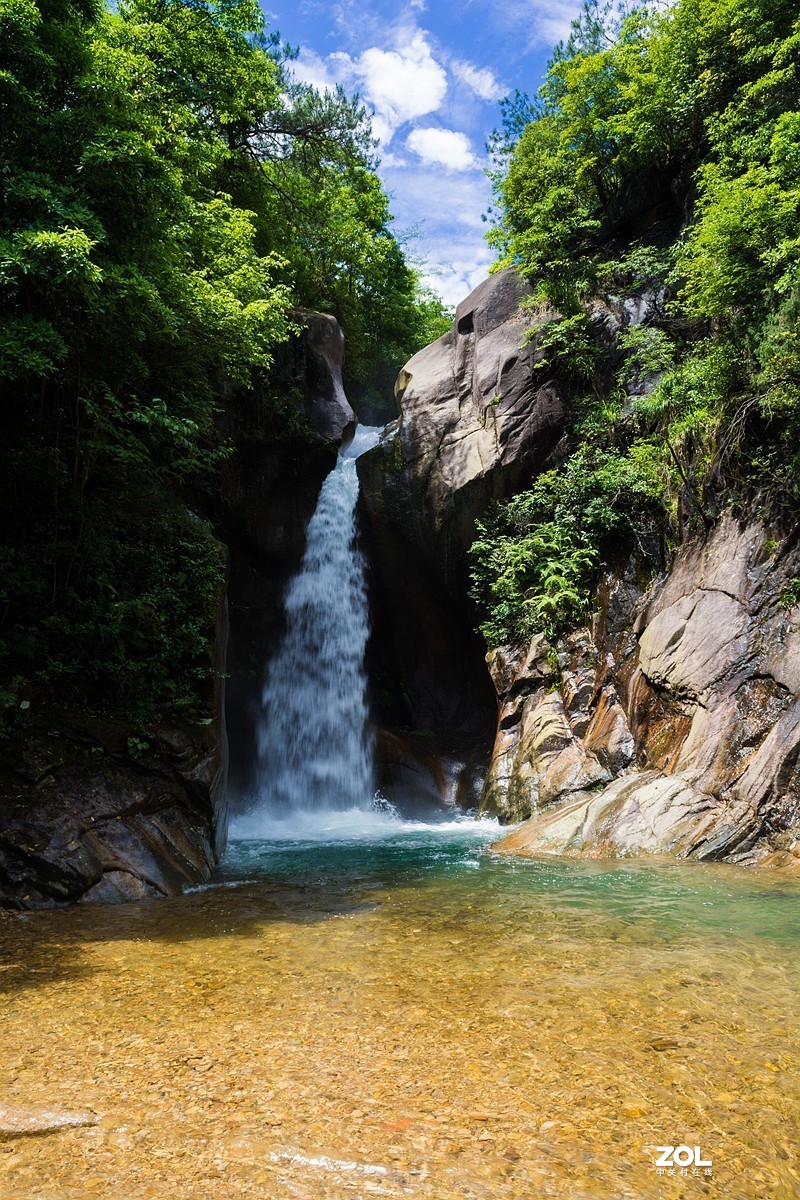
(672, 726)
(16, 1121)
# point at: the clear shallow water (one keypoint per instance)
(664, 898)
(384, 1008)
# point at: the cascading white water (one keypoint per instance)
(315, 763)
(314, 750)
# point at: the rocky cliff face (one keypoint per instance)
(475, 424)
(88, 814)
(672, 725)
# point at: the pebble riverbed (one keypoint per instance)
(407, 1016)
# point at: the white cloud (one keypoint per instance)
(425, 100)
(553, 20)
(390, 161)
(439, 201)
(480, 80)
(539, 22)
(399, 84)
(455, 279)
(442, 147)
(445, 209)
(404, 79)
(382, 129)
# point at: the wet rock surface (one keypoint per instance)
(671, 726)
(17, 1121)
(419, 774)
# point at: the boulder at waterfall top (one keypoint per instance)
(308, 369)
(476, 423)
(327, 408)
(671, 726)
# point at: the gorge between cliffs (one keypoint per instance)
(399, 702)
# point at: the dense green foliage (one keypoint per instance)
(534, 559)
(169, 196)
(661, 161)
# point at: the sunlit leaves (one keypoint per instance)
(170, 196)
(536, 556)
(701, 406)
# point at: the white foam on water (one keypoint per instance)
(364, 438)
(354, 825)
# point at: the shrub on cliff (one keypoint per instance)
(661, 159)
(536, 556)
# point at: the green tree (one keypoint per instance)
(661, 158)
(169, 197)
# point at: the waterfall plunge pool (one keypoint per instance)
(399, 1012)
(361, 1006)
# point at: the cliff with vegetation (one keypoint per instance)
(593, 476)
(609, 445)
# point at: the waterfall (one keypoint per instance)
(314, 749)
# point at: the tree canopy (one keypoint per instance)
(170, 197)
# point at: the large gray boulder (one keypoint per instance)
(477, 421)
(306, 375)
(675, 719)
(326, 406)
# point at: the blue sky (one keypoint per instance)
(433, 74)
